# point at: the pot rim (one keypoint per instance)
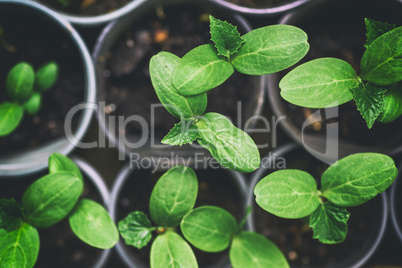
(352, 261)
(262, 12)
(111, 31)
(35, 160)
(318, 142)
(119, 182)
(397, 225)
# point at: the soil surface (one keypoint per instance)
(59, 246)
(85, 7)
(128, 84)
(345, 39)
(295, 238)
(259, 3)
(30, 42)
(215, 187)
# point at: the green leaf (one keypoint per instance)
(93, 225)
(33, 104)
(254, 250)
(169, 250)
(329, 223)
(20, 80)
(320, 83)
(288, 194)
(270, 49)
(369, 101)
(381, 64)
(59, 162)
(10, 117)
(10, 214)
(161, 69)
(230, 146)
(358, 178)
(375, 29)
(173, 196)
(200, 70)
(49, 199)
(19, 248)
(47, 76)
(392, 104)
(225, 36)
(136, 229)
(209, 228)
(182, 133)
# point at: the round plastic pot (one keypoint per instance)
(379, 213)
(312, 14)
(252, 106)
(395, 208)
(263, 12)
(134, 261)
(33, 160)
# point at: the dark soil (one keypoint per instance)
(30, 42)
(295, 237)
(344, 39)
(259, 3)
(215, 188)
(128, 84)
(59, 246)
(86, 7)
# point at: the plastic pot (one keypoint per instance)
(252, 105)
(336, 29)
(13, 163)
(132, 258)
(261, 11)
(376, 210)
(395, 207)
(60, 236)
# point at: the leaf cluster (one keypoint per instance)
(181, 85)
(329, 82)
(349, 182)
(208, 228)
(46, 202)
(25, 89)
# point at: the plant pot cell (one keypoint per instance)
(26, 37)
(295, 238)
(85, 7)
(59, 246)
(128, 86)
(215, 188)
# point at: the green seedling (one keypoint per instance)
(349, 182)
(329, 82)
(182, 85)
(46, 202)
(25, 89)
(208, 228)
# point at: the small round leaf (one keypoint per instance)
(20, 81)
(10, 117)
(32, 105)
(46, 76)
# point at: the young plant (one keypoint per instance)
(208, 228)
(349, 182)
(329, 82)
(46, 202)
(182, 85)
(25, 89)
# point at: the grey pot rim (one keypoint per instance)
(21, 164)
(97, 20)
(263, 12)
(97, 180)
(111, 31)
(392, 203)
(276, 103)
(353, 261)
(122, 177)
